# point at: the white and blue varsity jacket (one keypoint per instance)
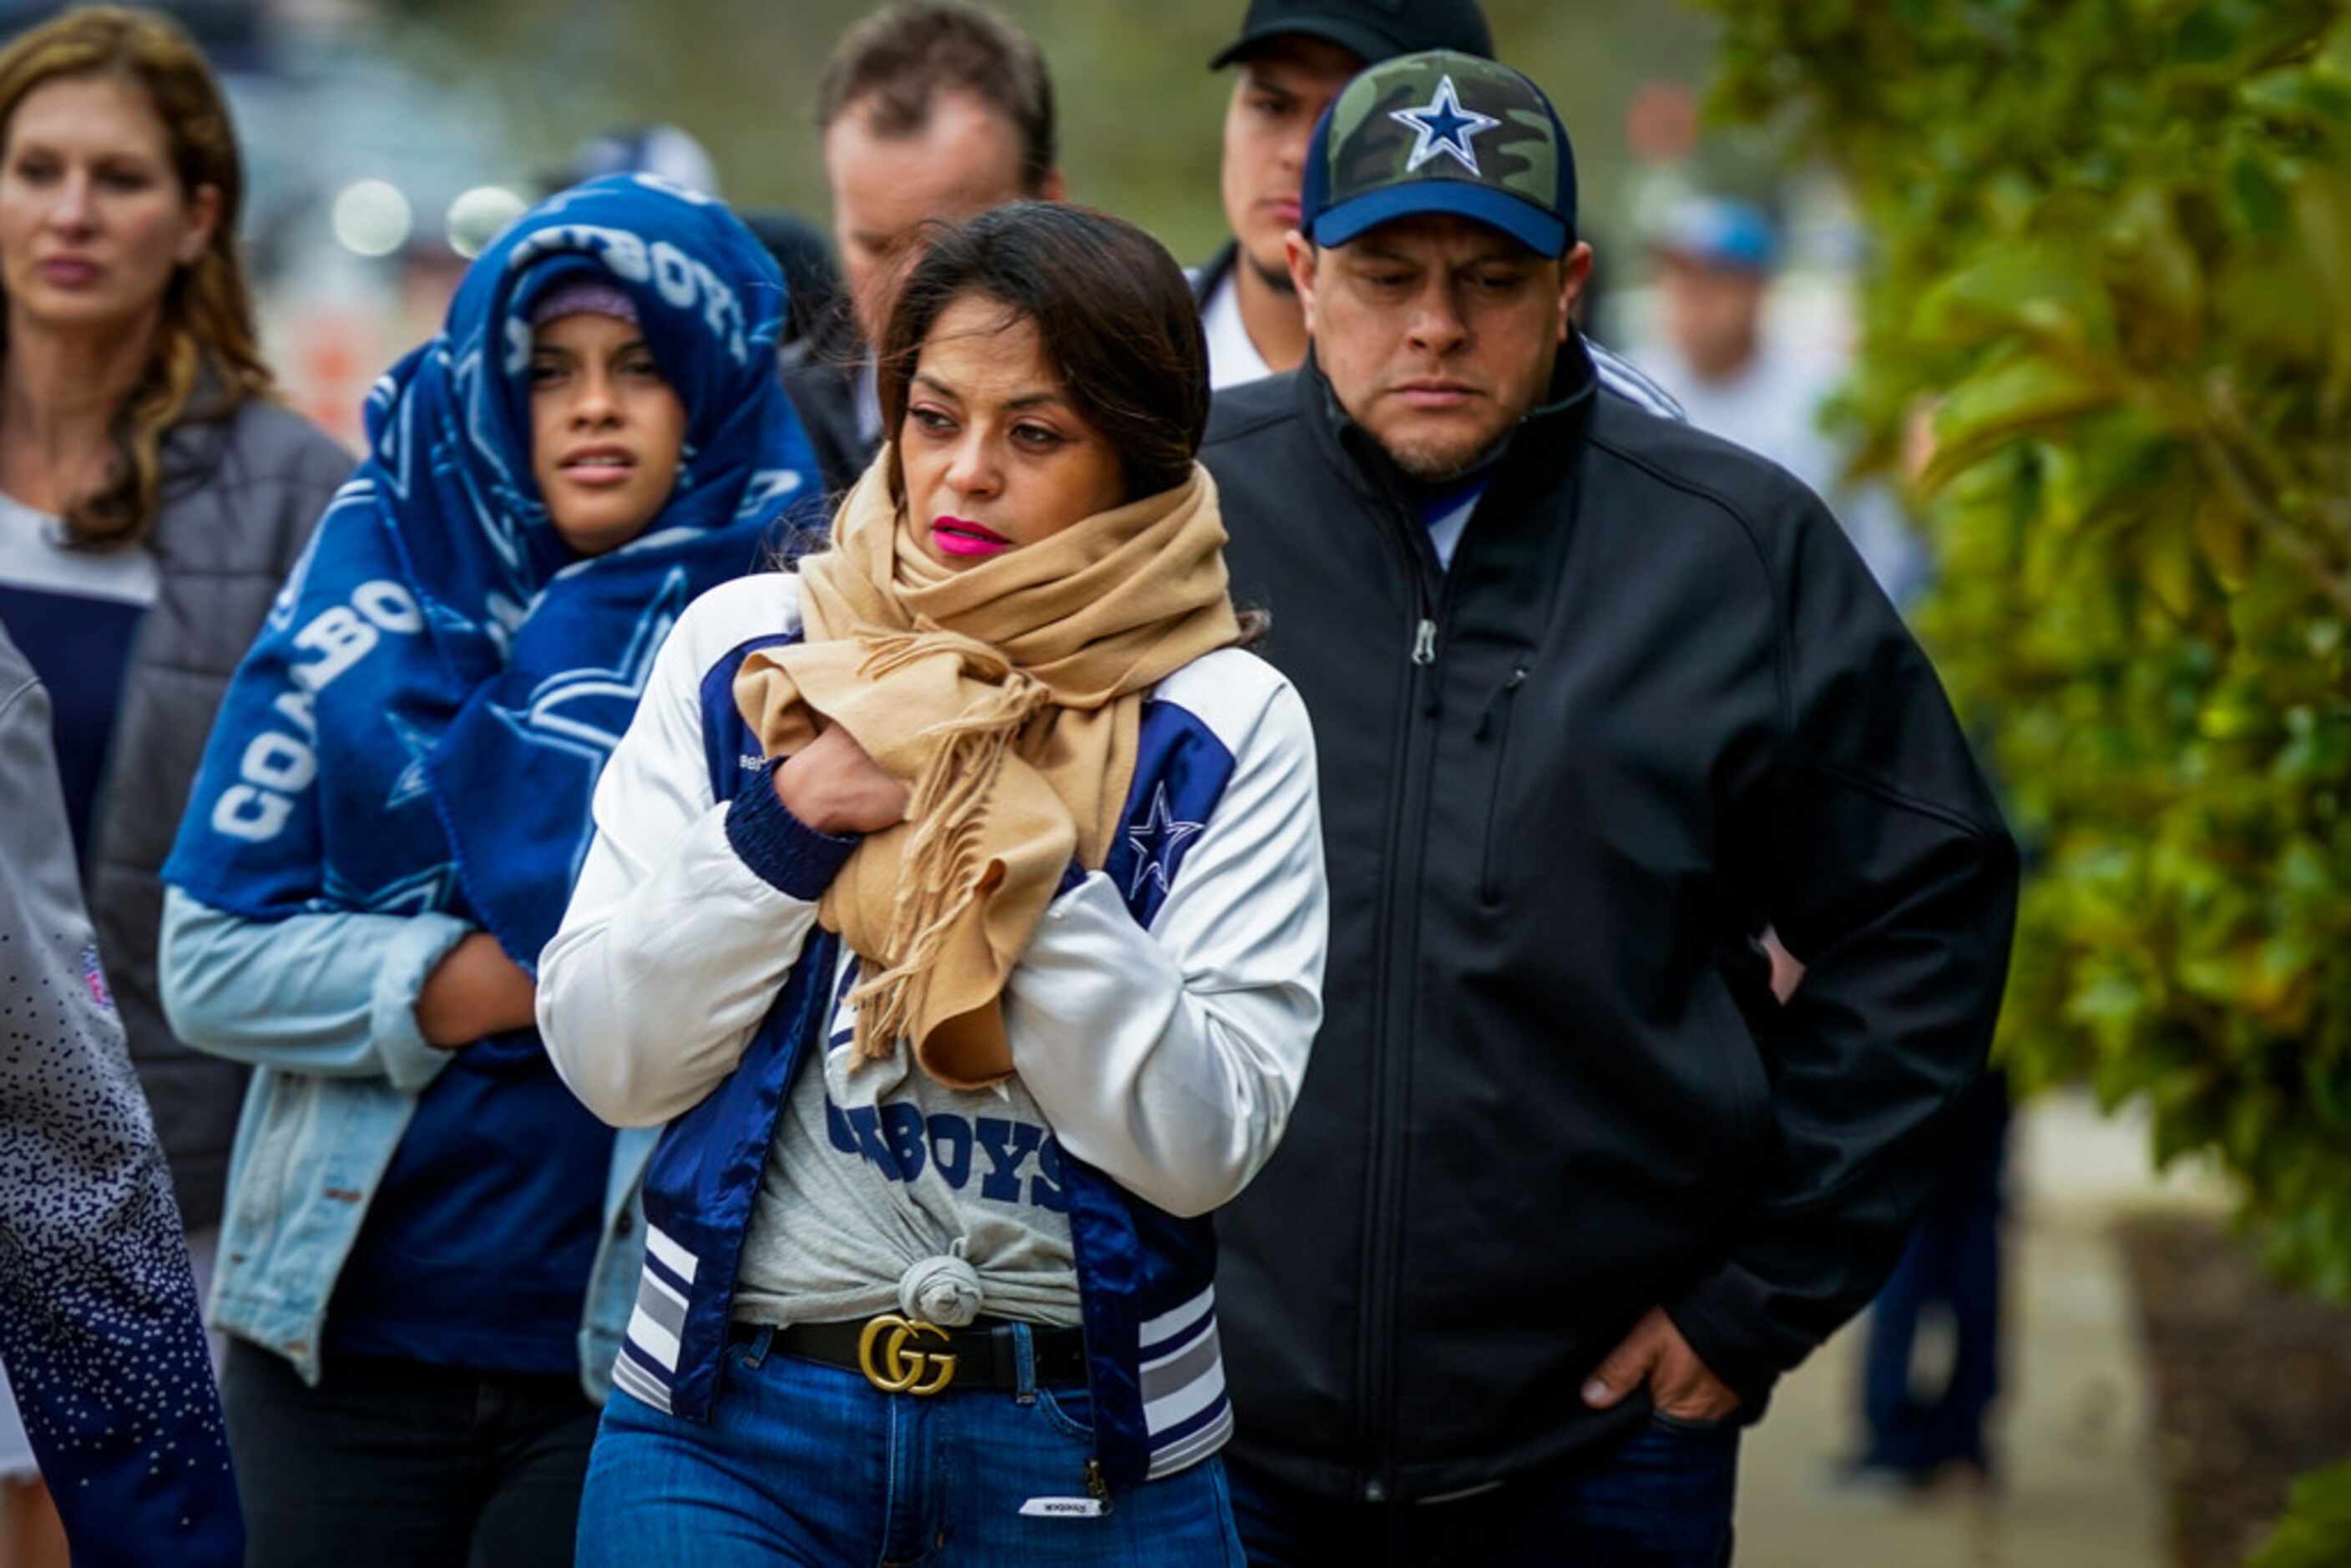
(1161, 1018)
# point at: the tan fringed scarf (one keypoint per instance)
(1008, 695)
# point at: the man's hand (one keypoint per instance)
(475, 991)
(833, 786)
(1679, 1383)
(1787, 969)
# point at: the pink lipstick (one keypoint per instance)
(954, 536)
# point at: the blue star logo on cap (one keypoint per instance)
(1442, 125)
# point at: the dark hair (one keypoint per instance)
(1111, 307)
(812, 277)
(903, 58)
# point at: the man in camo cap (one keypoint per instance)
(1597, 697)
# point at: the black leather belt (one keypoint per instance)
(902, 1357)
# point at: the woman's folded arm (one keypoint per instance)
(328, 994)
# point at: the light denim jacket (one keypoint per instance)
(323, 1008)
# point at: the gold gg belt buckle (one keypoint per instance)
(890, 1366)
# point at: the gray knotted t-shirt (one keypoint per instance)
(876, 1168)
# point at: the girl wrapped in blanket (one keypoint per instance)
(957, 902)
(431, 1246)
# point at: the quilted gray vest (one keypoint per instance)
(240, 499)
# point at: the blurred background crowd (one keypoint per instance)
(387, 141)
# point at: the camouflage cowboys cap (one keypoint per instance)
(1441, 133)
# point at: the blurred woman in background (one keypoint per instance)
(151, 497)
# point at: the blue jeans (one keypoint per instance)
(1662, 1500)
(807, 1464)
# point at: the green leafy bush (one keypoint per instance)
(2317, 1531)
(2116, 248)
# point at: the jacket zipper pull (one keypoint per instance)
(1097, 1488)
(1424, 660)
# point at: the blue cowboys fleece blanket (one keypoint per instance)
(420, 725)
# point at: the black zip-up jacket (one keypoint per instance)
(1656, 702)
(822, 382)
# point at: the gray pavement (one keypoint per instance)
(2074, 1428)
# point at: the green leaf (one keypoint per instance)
(2166, 556)
(2158, 267)
(2316, 1530)
(1998, 406)
(2321, 220)
(2208, 36)
(2045, 290)
(2334, 55)
(2226, 539)
(2305, 99)
(2256, 199)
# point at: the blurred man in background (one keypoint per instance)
(1717, 262)
(932, 109)
(1293, 58)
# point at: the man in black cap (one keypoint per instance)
(1597, 697)
(1292, 58)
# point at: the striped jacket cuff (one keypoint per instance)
(788, 855)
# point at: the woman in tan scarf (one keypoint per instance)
(957, 902)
